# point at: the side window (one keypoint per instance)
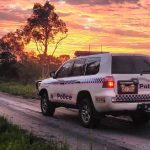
(93, 66)
(123, 65)
(78, 68)
(65, 70)
(142, 64)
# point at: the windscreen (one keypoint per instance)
(130, 65)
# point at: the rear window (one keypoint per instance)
(130, 65)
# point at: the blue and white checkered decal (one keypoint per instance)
(133, 98)
(92, 80)
(70, 82)
(81, 81)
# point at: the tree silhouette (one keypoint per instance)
(7, 57)
(42, 28)
(12, 42)
(64, 58)
(11, 46)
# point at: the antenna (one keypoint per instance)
(101, 48)
(89, 48)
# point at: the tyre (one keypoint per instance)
(140, 118)
(86, 114)
(47, 107)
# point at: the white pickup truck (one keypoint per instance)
(101, 84)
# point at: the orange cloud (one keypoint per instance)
(118, 25)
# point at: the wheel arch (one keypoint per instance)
(43, 91)
(83, 94)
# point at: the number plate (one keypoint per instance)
(126, 87)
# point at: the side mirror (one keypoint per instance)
(52, 74)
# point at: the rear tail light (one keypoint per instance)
(109, 82)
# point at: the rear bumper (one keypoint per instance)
(132, 98)
(123, 103)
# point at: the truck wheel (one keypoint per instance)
(140, 118)
(86, 114)
(47, 107)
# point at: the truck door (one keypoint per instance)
(60, 90)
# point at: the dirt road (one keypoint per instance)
(112, 134)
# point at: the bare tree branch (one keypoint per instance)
(37, 47)
(41, 49)
(58, 43)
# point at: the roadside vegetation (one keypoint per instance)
(19, 77)
(19, 89)
(13, 138)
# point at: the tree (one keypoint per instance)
(7, 57)
(12, 42)
(43, 26)
(30, 69)
(64, 58)
(8, 68)
(11, 48)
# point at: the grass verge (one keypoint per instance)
(13, 138)
(15, 88)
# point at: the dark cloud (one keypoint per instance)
(64, 14)
(129, 33)
(140, 46)
(21, 11)
(17, 14)
(75, 26)
(100, 2)
(85, 16)
(136, 46)
(2, 33)
(6, 16)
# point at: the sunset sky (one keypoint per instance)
(117, 25)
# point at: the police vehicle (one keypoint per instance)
(99, 85)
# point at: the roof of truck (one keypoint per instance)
(112, 54)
